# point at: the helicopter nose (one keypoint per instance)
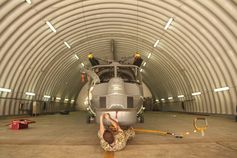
(116, 86)
(116, 94)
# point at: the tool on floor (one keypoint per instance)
(202, 128)
(158, 132)
(20, 124)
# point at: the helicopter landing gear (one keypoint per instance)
(90, 119)
(140, 119)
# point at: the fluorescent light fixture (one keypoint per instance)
(51, 26)
(141, 70)
(149, 55)
(196, 93)
(5, 90)
(72, 100)
(170, 98)
(66, 99)
(67, 44)
(163, 99)
(168, 23)
(28, 1)
(82, 64)
(156, 43)
(157, 100)
(47, 96)
(221, 89)
(144, 64)
(57, 98)
(180, 96)
(30, 93)
(76, 57)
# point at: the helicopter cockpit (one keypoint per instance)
(129, 73)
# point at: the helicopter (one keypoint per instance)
(115, 88)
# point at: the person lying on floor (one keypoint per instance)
(113, 138)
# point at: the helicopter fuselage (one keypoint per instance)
(118, 93)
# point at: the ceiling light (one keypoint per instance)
(66, 99)
(156, 43)
(149, 55)
(196, 93)
(180, 96)
(57, 98)
(76, 57)
(67, 44)
(157, 100)
(141, 70)
(30, 93)
(170, 98)
(5, 90)
(221, 89)
(168, 23)
(51, 26)
(144, 64)
(72, 100)
(46, 96)
(82, 64)
(28, 1)
(163, 99)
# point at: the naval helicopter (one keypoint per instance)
(115, 88)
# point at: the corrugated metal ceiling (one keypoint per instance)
(197, 53)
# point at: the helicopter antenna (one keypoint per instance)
(113, 50)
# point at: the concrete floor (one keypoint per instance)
(62, 136)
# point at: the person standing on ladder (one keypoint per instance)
(113, 138)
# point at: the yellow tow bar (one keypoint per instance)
(157, 132)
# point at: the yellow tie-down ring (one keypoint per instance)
(200, 129)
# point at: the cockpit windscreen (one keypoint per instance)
(130, 74)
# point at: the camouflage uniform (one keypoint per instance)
(120, 140)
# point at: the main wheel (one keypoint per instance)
(141, 119)
(89, 119)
